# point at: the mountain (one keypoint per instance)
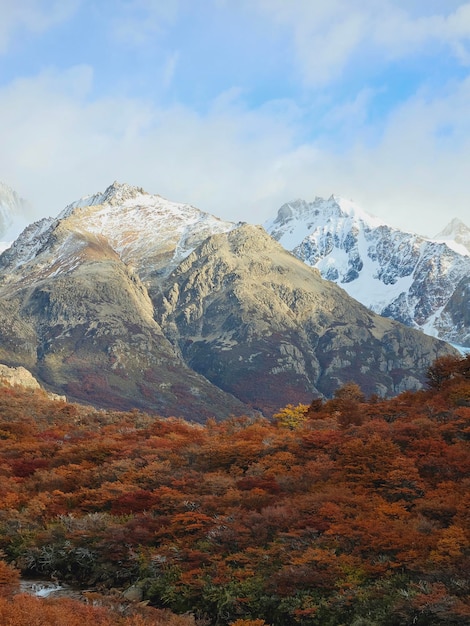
(12, 215)
(148, 232)
(262, 325)
(456, 232)
(128, 300)
(394, 273)
(80, 319)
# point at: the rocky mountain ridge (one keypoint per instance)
(260, 324)
(394, 273)
(128, 300)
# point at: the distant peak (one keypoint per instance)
(9, 197)
(455, 226)
(12, 215)
(334, 207)
(456, 235)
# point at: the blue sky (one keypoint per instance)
(237, 106)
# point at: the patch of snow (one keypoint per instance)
(460, 248)
(464, 350)
(29, 243)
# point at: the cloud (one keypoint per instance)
(33, 16)
(60, 141)
(330, 37)
(416, 175)
(58, 145)
(169, 69)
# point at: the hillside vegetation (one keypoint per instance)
(349, 511)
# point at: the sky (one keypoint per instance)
(238, 106)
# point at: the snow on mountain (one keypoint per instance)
(457, 236)
(12, 216)
(144, 229)
(127, 299)
(148, 232)
(396, 274)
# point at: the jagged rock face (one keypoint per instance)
(456, 313)
(262, 325)
(396, 274)
(126, 300)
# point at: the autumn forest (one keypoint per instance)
(351, 511)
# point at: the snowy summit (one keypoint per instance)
(394, 273)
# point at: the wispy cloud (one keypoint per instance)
(33, 16)
(330, 37)
(238, 109)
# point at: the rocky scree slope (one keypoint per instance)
(396, 274)
(128, 300)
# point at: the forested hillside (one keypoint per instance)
(348, 511)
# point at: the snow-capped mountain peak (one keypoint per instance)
(114, 195)
(141, 226)
(145, 230)
(456, 232)
(354, 210)
(295, 220)
(396, 274)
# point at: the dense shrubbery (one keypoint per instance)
(345, 512)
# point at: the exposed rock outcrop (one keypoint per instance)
(21, 377)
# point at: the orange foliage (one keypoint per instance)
(24, 610)
(347, 506)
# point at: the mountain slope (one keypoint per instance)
(128, 300)
(82, 322)
(148, 232)
(396, 274)
(262, 325)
